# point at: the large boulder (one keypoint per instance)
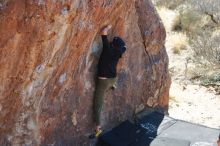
(48, 61)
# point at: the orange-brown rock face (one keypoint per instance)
(49, 51)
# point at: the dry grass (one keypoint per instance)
(193, 73)
(190, 21)
(206, 48)
(187, 21)
(170, 4)
(167, 17)
(179, 41)
(173, 98)
(208, 7)
(176, 23)
(176, 50)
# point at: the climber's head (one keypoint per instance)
(118, 43)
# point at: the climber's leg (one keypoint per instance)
(101, 87)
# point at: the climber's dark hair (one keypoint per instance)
(118, 42)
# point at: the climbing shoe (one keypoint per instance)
(96, 134)
(113, 87)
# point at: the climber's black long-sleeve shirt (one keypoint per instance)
(109, 59)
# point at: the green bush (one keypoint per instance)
(170, 4)
(213, 81)
(190, 21)
(210, 8)
(206, 48)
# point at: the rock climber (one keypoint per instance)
(107, 73)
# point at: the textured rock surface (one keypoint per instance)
(48, 56)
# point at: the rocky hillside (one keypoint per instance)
(48, 56)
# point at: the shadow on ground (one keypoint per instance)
(152, 128)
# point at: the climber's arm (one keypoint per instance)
(104, 34)
(105, 42)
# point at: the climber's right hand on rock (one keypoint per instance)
(106, 29)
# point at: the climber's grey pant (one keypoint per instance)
(102, 85)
